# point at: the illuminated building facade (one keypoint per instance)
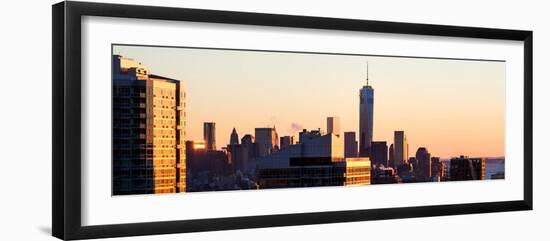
(315, 161)
(149, 129)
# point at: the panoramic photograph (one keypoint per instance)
(187, 119)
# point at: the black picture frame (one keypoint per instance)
(66, 127)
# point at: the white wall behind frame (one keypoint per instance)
(26, 25)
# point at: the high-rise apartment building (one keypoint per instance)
(149, 130)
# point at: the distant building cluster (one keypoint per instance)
(316, 160)
(152, 155)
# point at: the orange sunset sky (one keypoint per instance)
(451, 107)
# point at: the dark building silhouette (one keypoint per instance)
(379, 153)
(250, 154)
(464, 168)
(405, 171)
(437, 167)
(209, 135)
(148, 130)
(234, 155)
(445, 170)
(333, 125)
(305, 135)
(400, 148)
(234, 138)
(267, 140)
(247, 139)
(205, 164)
(193, 150)
(423, 169)
(286, 141)
(350, 144)
(366, 119)
(200, 159)
(243, 155)
(384, 175)
(233, 148)
(391, 162)
(412, 162)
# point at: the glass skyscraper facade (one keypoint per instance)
(366, 112)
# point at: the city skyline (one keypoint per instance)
(445, 129)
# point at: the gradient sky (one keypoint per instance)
(451, 107)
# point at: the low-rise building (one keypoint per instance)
(317, 160)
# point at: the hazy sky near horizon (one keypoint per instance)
(451, 107)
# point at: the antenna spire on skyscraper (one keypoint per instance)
(366, 112)
(367, 73)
